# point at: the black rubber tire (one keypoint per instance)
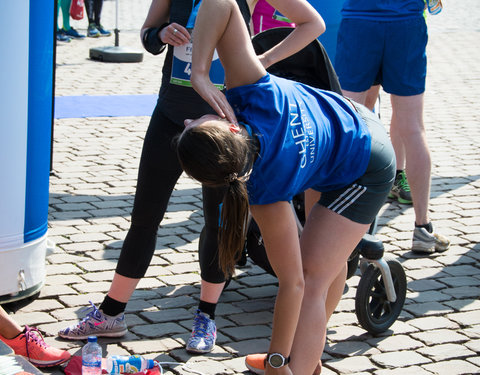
(374, 311)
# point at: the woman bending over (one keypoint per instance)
(289, 138)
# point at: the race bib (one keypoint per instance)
(182, 67)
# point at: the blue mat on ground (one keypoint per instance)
(104, 106)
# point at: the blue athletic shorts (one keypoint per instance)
(391, 53)
(361, 200)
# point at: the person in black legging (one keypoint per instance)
(94, 14)
(168, 22)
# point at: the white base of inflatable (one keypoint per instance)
(22, 270)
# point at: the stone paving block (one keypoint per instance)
(106, 276)
(463, 292)
(248, 332)
(62, 269)
(167, 315)
(444, 352)
(342, 318)
(179, 279)
(260, 317)
(440, 336)
(63, 280)
(400, 359)
(34, 318)
(473, 345)
(454, 367)
(459, 281)
(90, 287)
(427, 309)
(245, 347)
(260, 292)
(151, 346)
(82, 247)
(174, 302)
(350, 365)
(433, 322)
(346, 333)
(55, 291)
(257, 305)
(423, 285)
(98, 265)
(461, 270)
(427, 296)
(81, 299)
(464, 304)
(395, 343)
(468, 318)
(157, 330)
(413, 370)
(350, 348)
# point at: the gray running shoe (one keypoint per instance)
(401, 189)
(96, 323)
(425, 242)
(204, 334)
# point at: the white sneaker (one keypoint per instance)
(96, 323)
(425, 242)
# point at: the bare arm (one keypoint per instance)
(280, 235)
(159, 14)
(220, 25)
(309, 25)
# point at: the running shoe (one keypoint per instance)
(96, 323)
(92, 31)
(256, 363)
(401, 189)
(204, 334)
(30, 344)
(61, 37)
(425, 242)
(72, 33)
(102, 31)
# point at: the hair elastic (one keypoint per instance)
(234, 128)
(231, 177)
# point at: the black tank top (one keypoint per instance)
(178, 102)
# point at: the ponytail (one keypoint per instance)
(214, 156)
(233, 222)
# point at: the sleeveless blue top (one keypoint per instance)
(309, 138)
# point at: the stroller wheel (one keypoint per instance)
(374, 311)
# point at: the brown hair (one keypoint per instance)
(213, 155)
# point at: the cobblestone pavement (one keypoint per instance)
(92, 187)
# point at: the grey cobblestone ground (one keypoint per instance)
(92, 186)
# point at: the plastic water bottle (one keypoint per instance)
(123, 364)
(92, 357)
(434, 6)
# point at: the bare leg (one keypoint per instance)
(211, 292)
(359, 97)
(8, 327)
(372, 96)
(324, 255)
(409, 141)
(122, 288)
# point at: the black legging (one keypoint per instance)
(158, 173)
(94, 11)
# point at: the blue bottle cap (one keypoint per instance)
(150, 364)
(92, 338)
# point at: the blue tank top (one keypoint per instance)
(383, 10)
(309, 138)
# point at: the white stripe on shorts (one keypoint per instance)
(347, 198)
